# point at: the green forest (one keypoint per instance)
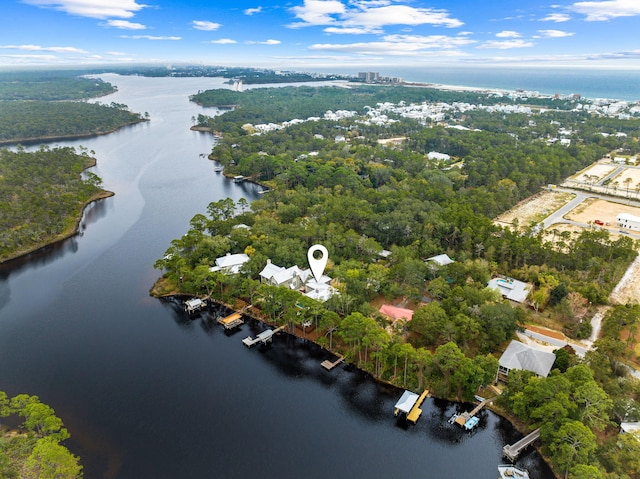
(32, 447)
(50, 86)
(360, 198)
(42, 195)
(38, 106)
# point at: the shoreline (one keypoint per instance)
(65, 235)
(52, 138)
(176, 297)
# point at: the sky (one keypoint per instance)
(303, 35)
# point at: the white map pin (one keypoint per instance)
(317, 265)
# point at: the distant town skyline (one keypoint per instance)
(321, 34)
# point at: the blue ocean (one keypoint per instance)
(588, 82)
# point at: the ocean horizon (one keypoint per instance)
(587, 82)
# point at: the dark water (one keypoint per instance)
(147, 392)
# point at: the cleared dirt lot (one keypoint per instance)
(633, 176)
(543, 204)
(593, 209)
(600, 170)
(534, 208)
(628, 289)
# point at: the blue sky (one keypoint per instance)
(307, 34)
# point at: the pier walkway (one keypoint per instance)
(468, 420)
(415, 412)
(264, 337)
(512, 451)
(328, 365)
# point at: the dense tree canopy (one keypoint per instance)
(35, 449)
(42, 194)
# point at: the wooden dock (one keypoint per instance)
(415, 412)
(194, 305)
(232, 321)
(328, 365)
(468, 420)
(264, 337)
(512, 451)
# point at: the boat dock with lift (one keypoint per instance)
(512, 451)
(409, 404)
(469, 420)
(264, 337)
(232, 321)
(194, 305)
(512, 472)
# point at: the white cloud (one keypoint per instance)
(223, 41)
(606, 10)
(430, 41)
(507, 44)
(125, 25)
(38, 48)
(402, 45)
(149, 37)
(266, 42)
(204, 25)
(508, 34)
(252, 11)
(367, 17)
(27, 58)
(556, 17)
(400, 15)
(317, 12)
(353, 30)
(555, 33)
(92, 8)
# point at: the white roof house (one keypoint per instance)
(441, 259)
(275, 275)
(230, 263)
(296, 278)
(510, 288)
(523, 357)
(434, 155)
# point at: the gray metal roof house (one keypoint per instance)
(524, 357)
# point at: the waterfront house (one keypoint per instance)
(524, 357)
(275, 275)
(230, 263)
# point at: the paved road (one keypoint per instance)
(559, 343)
(558, 215)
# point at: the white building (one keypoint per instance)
(628, 221)
(230, 263)
(298, 279)
(510, 288)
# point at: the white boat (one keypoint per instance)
(218, 169)
(512, 472)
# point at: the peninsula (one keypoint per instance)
(410, 223)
